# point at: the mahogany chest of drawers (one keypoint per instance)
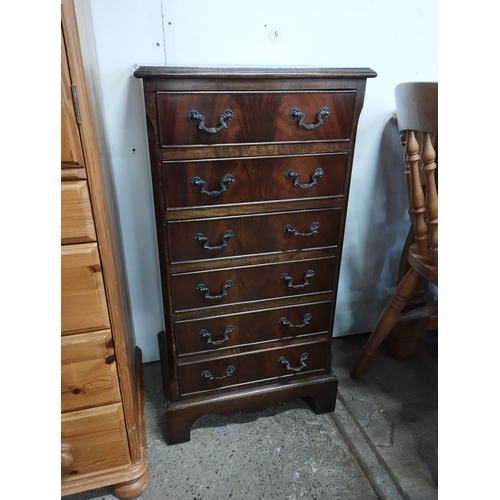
(251, 171)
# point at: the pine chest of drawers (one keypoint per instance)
(251, 171)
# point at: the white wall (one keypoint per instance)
(397, 39)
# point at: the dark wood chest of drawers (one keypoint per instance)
(251, 171)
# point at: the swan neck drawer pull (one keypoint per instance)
(229, 372)
(291, 174)
(313, 229)
(225, 335)
(225, 181)
(323, 113)
(206, 291)
(302, 359)
(287, 277)
(194, 116)
(203, 239)
(306, 320)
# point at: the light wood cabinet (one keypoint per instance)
(103, 434)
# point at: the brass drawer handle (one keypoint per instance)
(229, 372)
(225, 181)
(291, 174)
(302, 359)
(203, 239)
(313, 229)
(206, 291)
(194, 116)
(225, 335)
(323, 113)
(306, 320)
(287, 277)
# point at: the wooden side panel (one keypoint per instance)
(77, 221)
(95, 440)
(88, 371)
(71, 146)
(83, 299)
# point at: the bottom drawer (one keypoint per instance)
(93, 440)
(252, 367)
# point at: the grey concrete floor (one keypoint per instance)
(380, 443)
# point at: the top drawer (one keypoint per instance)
(249, 117)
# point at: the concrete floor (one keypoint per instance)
(380, 443)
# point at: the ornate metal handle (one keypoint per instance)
(291, 174)
(295, 113)
(206, 291)
(229, 372)
(313, 229)
(225, 181)
(287, 277)
(203, 239)
(194, 116)
(283, 361)
(225, 336)
(306, 320)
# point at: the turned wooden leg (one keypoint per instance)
(131, 489)
(387, 320)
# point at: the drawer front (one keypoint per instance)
(77, 221)
(83, 299)
(252, 234)
(257, 117)
(93, 440)
(219, 332)
(234, 285)
(88, 371)
(282, 362)
(227, 182)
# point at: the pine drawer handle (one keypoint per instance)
(225, 335)
(287, 277)
(225, 181)
(203, 239)
(194, 116)
(206, 291)
(306, 320)
(67, 457)
(302, 359)
(229, 372)
(291, 174)
(323, 113)
(313, 229)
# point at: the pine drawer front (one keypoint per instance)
(256, 117)
(88, 371)
(217, 333)
(239, 236)
(252, 283)
(77, 221)
(83, 299)
(228, 182)
(282, 362)
(93, 440)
